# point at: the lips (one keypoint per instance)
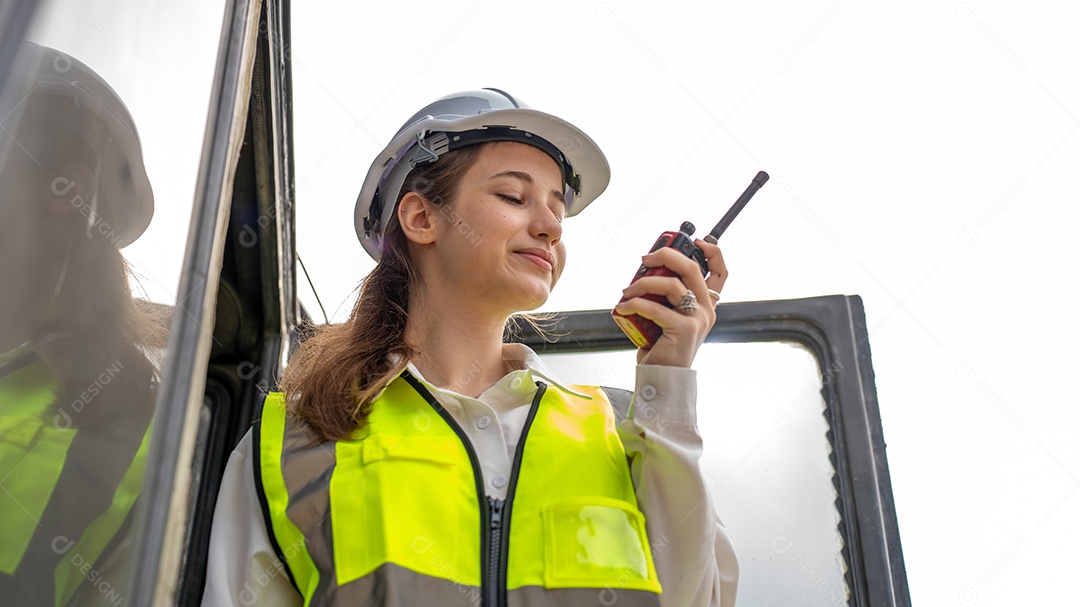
(541, 257)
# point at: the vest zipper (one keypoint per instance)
(492, 586)
(501, 542)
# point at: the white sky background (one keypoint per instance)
(923, 157)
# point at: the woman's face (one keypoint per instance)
(499, 243)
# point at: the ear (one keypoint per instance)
(69, 189)
(417, 217)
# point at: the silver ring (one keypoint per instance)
(714, 296)
(688, 304)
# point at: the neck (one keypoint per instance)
(458, 350)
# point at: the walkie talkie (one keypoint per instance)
(644, 332)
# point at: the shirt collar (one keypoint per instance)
(521, 352)
(518, 355)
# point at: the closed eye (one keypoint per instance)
(510, 199)
(560, 216)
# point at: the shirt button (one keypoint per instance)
(483, 422)
(499, 481)
(515, 384)
(648, 392)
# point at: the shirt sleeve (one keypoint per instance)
(692, 551)
(242, 567)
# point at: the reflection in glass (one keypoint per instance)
(77, 385)
(113, 98)
(765, 460)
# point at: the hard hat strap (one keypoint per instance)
(426, 148)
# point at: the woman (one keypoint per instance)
(77, 383)
(413, 458)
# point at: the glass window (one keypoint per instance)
(102, 132)
(765, 460)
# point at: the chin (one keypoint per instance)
(533, 300)
(536, 303)
(527, 291)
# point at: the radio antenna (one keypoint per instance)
(725, 221)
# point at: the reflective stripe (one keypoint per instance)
(397, 586)
(538, 596)
(391, 584)
(620, 402)
(270, 428)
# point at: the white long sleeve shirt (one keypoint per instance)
(692, 551)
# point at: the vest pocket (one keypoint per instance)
(386, 506)
(596, 543)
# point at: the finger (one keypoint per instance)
(675, 295)
(670, 288)
(718, 271)
(686, 268)
(668, 318)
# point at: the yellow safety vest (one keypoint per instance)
(33, 450)
(398, 515)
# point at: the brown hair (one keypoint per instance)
(338, 371)
(93, 339)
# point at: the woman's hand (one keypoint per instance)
(683, 333)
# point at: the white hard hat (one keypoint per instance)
(126, 195)
(470, 118)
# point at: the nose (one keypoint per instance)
(547, 226)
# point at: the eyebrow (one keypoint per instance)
(527, 178)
